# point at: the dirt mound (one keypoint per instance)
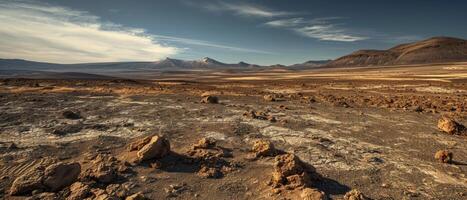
(450, 126)
(52, 178)
(433, 50)
(444, 156)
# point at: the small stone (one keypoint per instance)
(210, 99)
(444, 156)
(204, 143)
(312, 194)
(71, 114)
(269, 97)
(136, 196)
(354, 195)
(263, 148)
(209, 172)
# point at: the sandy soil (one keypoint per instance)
(374, 130)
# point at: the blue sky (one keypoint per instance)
(260, 32)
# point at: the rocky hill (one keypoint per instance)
(433, 50)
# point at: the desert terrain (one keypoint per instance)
(371, 129)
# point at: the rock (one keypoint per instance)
(117, 190)
(444, 156)
(104, 173)
(263, 148)
(312, 194)
(354, 195)
(79, 191)
(138, 145)
(210, 99)
(450, 126)
(271, 118)
(291, 171)
(158, 147)
(297, 181)
(53, 178)
(209, 172)
(66, 129)
(204, 143)
(269, 98)
(27, 182)
(46, 196)
(60, 175)
(137, 196)
(71, 115)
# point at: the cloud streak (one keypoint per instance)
(247, 10)
(207, 44)
(318, 28)
(57, 34)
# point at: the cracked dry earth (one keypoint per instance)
(377, 137)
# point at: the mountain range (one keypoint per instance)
(433, 50)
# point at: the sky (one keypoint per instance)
(261, 32)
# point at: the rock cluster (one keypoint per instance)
(210, 158)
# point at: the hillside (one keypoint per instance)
(433, 50)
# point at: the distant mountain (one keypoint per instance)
(433, 50)
(309, 64)
(167, 64)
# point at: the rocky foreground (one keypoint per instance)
(246, 140)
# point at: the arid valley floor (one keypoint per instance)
(370, 129)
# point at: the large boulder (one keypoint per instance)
(158, 147)
(52, 178)
(26, 183)
(60, 175)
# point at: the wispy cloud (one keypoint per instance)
(207, 44)
(50, 33)
(318, 28)
(244, 9)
